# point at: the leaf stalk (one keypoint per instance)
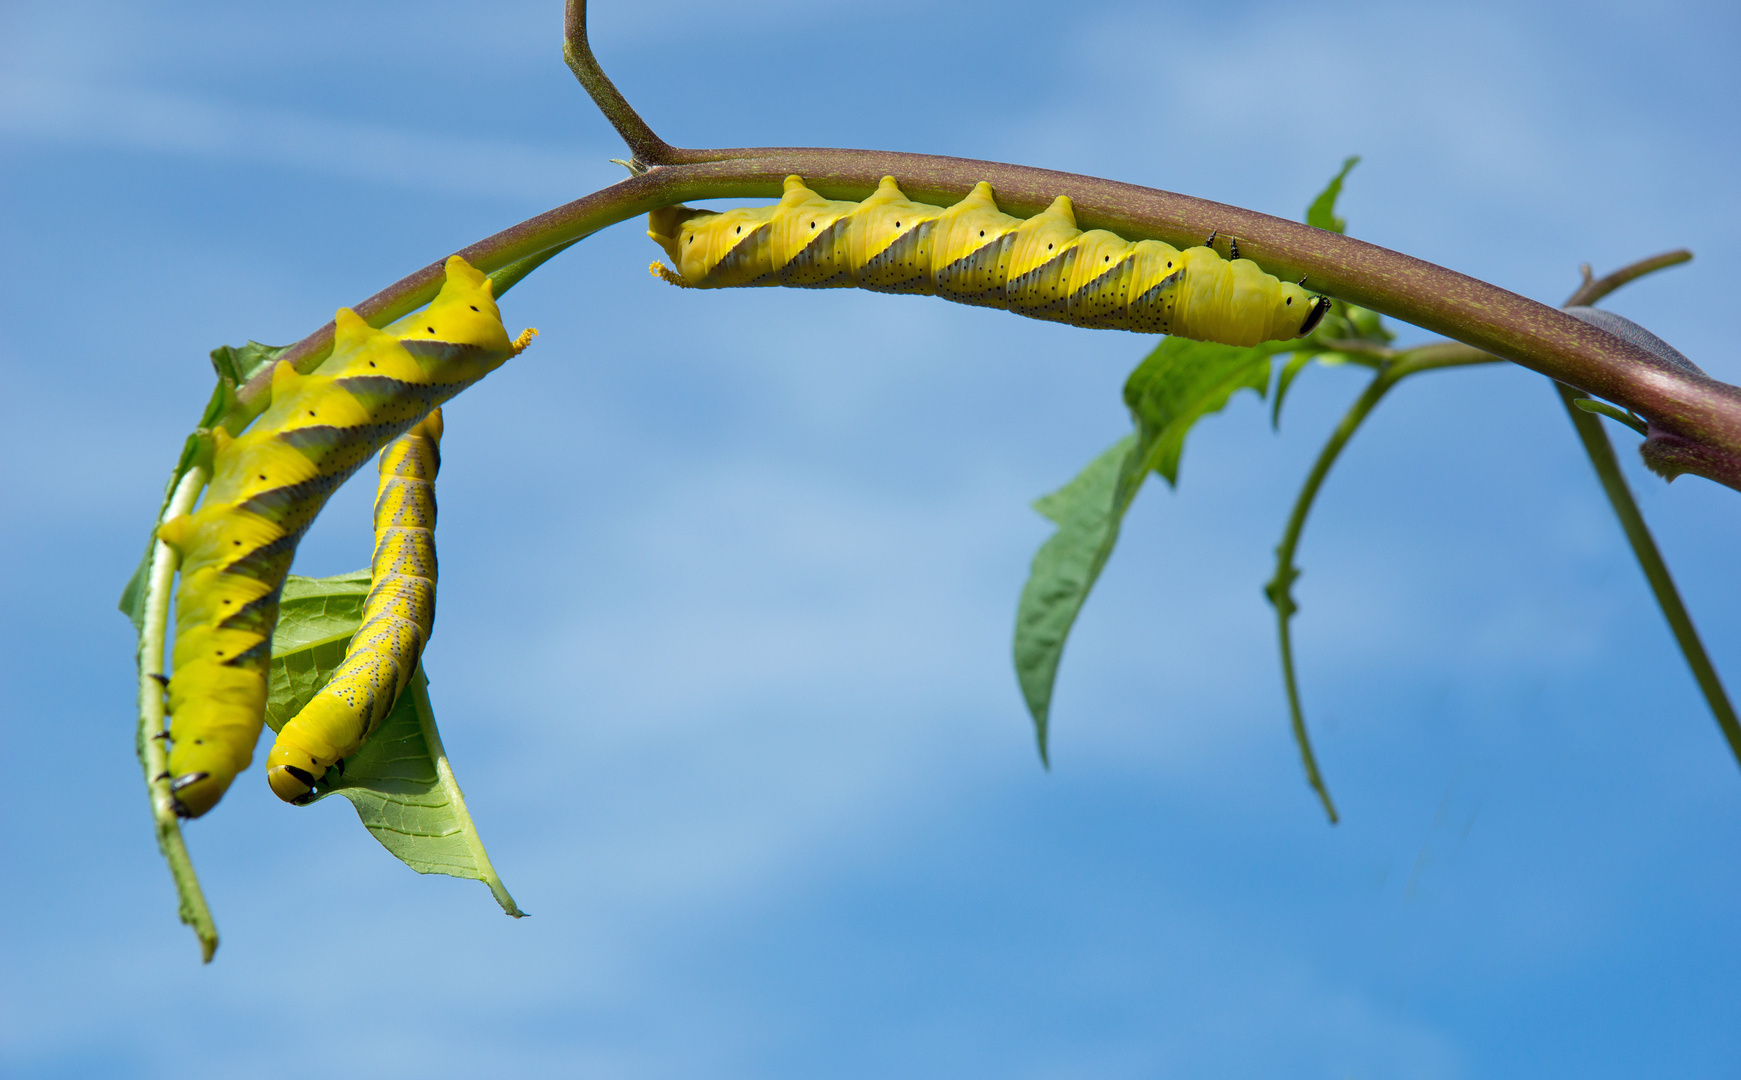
(153, 755)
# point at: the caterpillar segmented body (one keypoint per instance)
(267, 485)
(398, 615)
(1043, 267)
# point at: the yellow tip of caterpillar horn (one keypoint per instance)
(350, 331)
(461, 271)
(284, 374)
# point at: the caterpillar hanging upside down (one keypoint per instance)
(267, 485)
(1043, 267)
(398, 615)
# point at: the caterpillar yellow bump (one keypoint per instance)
(1043, 267)
(267, 485)
(398, 615)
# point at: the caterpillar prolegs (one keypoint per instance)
(398, 615)
(267, 485)
(973, 253)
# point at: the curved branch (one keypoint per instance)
(1695, 420)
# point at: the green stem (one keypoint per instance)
(1601, 453)
(1280, 588)
(153, 755)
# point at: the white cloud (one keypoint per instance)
(152, 121)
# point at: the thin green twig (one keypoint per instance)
(1601, 453)
(1668, 598)
(1280, 588)
(1393, 368)
(152, 754)
(1400, 365)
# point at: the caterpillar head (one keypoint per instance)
(194, 793)
(292, 774)
(1295, 312)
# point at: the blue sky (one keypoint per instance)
(728, 578)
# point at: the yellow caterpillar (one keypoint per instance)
(398, 615)
(267, 485)
(1043, 267)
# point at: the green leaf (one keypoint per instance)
(1087, 511)
(1322, 213)
(399, 782)
(1183, 381)
(239, 363)
(1180, 382)
(316, 618)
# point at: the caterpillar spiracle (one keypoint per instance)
(267, 485)
(398, 614)
(1043, 267)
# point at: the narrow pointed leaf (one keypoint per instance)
(1087, 511)
(1179, 383)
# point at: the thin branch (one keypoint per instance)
(153, 756)
(1593, 290)
(1601, 453)
(648, 148)
(1668, 598)
(1280, 589)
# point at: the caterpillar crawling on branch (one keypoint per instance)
(267, 485)
(398, 615)
(1043, 267)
